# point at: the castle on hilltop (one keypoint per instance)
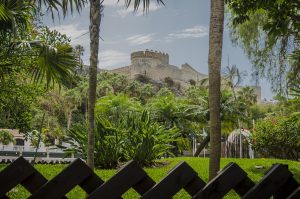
(155, 65)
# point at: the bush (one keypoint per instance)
(145, 140)
(137, 138)
(278, 137)
(107, 143)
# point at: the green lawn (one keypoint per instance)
(200, 165)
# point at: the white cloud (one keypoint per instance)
(72, 30)
(113, 58)
(194, 32)
(140, 39)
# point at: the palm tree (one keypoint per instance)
(214, 62)
(6, 137)
(247, 95)
(53, 63)
(233, 77)
(71, 100)
(96, 7)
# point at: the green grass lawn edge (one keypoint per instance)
(200, 165)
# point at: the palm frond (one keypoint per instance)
(55, 65)
(54, 6)
(13, 13)
(136, 4)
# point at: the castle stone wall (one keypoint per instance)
(150, 57)
(156, 65)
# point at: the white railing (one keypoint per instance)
(29, 149)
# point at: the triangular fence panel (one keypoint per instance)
(277, 182)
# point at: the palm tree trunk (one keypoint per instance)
(69, 120)
(214, 62)
(95, 18)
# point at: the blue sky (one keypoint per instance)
(180, 28)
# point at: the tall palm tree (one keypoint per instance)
(96, 7)
(95, 18)
(214, 62)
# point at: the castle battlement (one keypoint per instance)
(149, 55)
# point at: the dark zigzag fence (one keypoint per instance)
(277, 182)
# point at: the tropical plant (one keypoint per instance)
(58, 6)
(173, 111)
(6, 137)
(108, 143)
(247, 95)
(145, 140)
(233, 77)
(214, 62)
(138, 138)
(52, 59)
(116, 107)
(96, 9)
(71, 100)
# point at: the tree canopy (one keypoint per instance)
(273, 42)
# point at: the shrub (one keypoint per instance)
(6, 137)
(136, 138)
(107, 143)
(145, 141)
(169, 82)
(278, 137)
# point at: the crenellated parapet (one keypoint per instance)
(148, 56)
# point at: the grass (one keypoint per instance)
(200, 165)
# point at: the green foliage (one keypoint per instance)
(110, 83)
(107, 143)
(115, 107)
(247, 95)
(145, 140)
(17, 97)
(13, 15)
(271, 40)
(175, 112)
(278, 137)
(6, 137)
(46, 54)
(57, 6)
(108, 146)
(138, 138)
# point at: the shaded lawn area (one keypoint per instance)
(200, 165)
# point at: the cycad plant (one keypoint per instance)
(108, 143)
(138, 138)
(145, 140)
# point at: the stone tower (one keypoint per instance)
(152, 58)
